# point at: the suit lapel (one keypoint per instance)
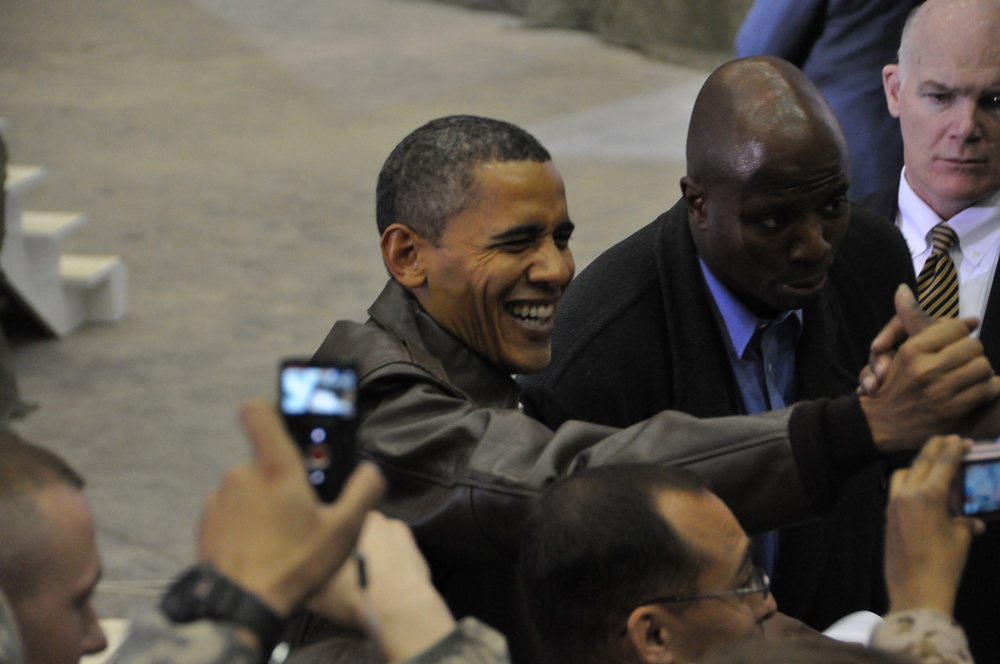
(989, 335)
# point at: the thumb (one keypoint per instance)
(363, 491)
(913, 318)
(274, 452)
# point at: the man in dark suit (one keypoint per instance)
(761, 287)
(841, 45)
(945, 90)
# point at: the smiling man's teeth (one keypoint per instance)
(532, 312)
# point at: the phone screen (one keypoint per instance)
(319, 405)
(982, 488)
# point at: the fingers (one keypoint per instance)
(867, 382)
(938, 461)
(974, 398)
(890, 337)
(939, 335)
(912, 318)
(364, 489)
(273, 450)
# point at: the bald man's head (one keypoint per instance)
(766, 185)
(746, 110)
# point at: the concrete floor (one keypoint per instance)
(228, 150)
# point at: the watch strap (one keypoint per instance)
(204, 592)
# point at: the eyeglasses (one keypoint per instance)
(759, 582)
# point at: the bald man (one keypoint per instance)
(761, 287)
(945, 90)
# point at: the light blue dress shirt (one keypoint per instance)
(762, 354)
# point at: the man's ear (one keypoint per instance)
(401, 253)
(649, 635)
(891, 83)
(694, 198)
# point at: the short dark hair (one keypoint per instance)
(428, 178)
(595, 547)
(25, 469)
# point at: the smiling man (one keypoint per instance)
(761, 287)
(474, 232)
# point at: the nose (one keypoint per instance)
(764, 609)
(552, 265)
(809, 244)
(965, 121)
(94, 639)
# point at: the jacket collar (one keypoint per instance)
(398, 311)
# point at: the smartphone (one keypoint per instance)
(976, 491)
(319, 404)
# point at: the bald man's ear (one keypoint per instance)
(649, 636)
(694, 198)
(401, 248)
(891, 83)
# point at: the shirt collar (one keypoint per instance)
(739, 321)
(977, 226)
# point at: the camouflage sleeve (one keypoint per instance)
(152, 639)
(928, 636)
(10, 639)
(471, 642)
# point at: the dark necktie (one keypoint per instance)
(937, 285)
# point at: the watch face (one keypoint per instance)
(187, 599)
(203, 592)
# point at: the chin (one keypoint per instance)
(528, 364)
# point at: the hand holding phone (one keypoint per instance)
(319, 406)
(976, 491)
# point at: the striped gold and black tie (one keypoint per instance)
(937, 285)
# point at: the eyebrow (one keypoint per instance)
(938, 86)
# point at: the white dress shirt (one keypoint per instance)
(978, 230)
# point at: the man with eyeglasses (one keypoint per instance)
(621, 562)
(641, 564)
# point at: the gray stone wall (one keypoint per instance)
(686, 31)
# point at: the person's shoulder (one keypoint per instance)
(153, 638)
(471, 642)
(871, 262)
(366, 346)
(873, 235)
(882, 202)
(619, 275)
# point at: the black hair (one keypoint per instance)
(595, 547)
(429, 177)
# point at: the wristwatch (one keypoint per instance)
(203, 592)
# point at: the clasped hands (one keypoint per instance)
(927, 377)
